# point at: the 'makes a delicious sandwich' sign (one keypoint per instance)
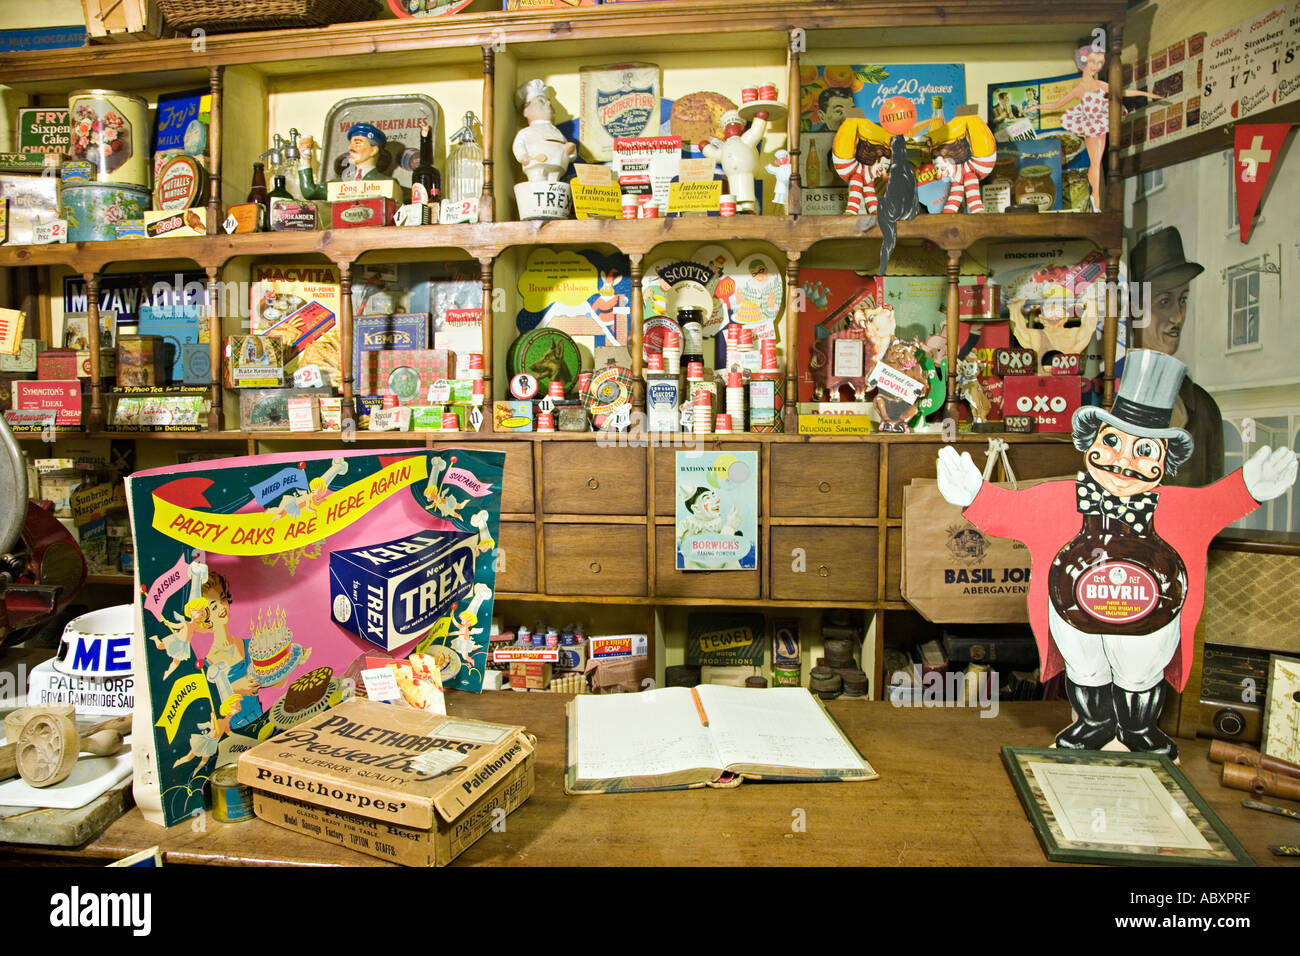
(264, 583)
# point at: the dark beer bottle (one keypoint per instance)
(257, 193)
(426, 183)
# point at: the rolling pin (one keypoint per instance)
(1225, 753)
(103, 739)
(1257, 780)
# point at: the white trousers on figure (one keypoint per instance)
(1133, 663)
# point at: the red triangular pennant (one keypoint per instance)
(1254, 153)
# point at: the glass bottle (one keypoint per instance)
(426, 183)
(464, 164)
(691, 321)
(257, 193)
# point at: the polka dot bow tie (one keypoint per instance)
(1136, 510)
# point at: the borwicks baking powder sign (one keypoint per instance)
(264, 583)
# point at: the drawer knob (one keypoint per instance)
(824, 487)
(593, 484)
(824, 571)
(595, 567)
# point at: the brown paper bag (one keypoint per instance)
(953, 573)
(616, 675)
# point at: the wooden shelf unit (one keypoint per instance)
(607, 543)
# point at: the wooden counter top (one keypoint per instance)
(943, 799)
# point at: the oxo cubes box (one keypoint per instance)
(1049, 400)
(391, 594)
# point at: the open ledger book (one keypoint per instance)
(656, 740)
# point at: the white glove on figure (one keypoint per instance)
(1268, 474)
(959, 478)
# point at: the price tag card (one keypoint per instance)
(440, 392)
(464, 211)
(308, 376)
(695, 196)
(45, 233)
(696, 170)
(597, 202)
(381, 684)
(592, 174)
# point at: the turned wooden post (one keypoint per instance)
(345, 340)
(215, 75)
(1110, 331)
(790, 414)
(215, 422)
(486, 212)
(635, 341)
(794, 204)
(96, 416)
(1114, 197)
(485, 277)
(951, 405)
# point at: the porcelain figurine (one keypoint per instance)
(738, 154)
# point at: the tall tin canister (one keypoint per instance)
(93, 210)
(110, 130)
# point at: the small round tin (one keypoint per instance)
(93, 211)
(232, 801)
(110, 130)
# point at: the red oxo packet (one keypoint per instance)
(1050, 400)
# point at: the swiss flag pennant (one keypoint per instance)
(1254, 153)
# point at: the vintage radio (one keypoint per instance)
(1252, 588)
(1234, 681)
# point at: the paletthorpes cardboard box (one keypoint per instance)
(237, 625)
(396, 783)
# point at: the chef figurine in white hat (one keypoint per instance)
(738, 154)
(539, 147)
(1118, 577)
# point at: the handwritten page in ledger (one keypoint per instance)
(639, 735)
(778, 726)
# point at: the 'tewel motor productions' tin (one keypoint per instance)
(110, 130)
(232, 802)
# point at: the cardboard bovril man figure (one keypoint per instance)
(1118, 576)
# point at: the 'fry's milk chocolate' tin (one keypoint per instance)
(110, 130)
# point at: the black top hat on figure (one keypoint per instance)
(1143, 407)
(1158, 259)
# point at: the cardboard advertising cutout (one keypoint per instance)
(1119, 562)
(264, 584)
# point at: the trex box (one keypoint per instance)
(389, 594)
(444, 783)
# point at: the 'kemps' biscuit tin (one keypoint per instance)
(110, 130)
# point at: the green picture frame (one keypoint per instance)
(1118, 808)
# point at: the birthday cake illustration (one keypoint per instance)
(272, 649)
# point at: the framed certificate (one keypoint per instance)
(1119, 808)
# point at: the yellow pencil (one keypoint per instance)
(704, 719)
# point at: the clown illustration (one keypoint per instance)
(1119, 561)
